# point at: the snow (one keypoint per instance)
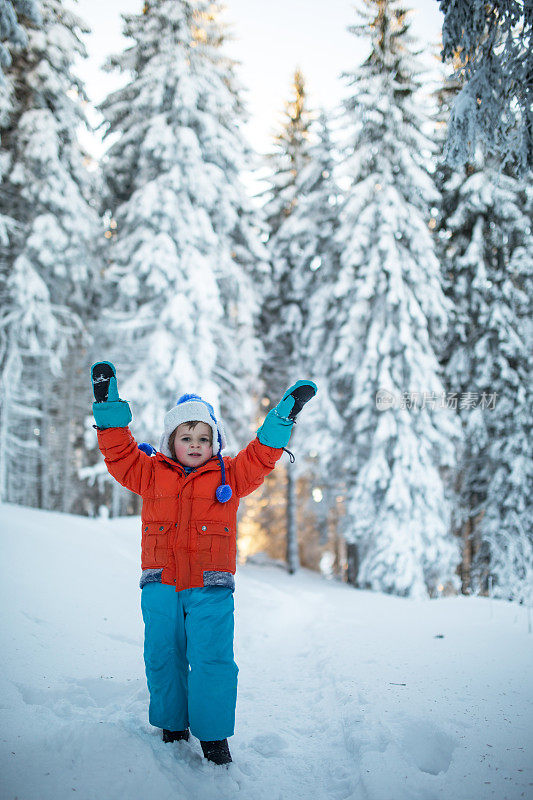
(342, 693)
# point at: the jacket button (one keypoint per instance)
(204, 528)
(146, 528)
(175, 524)
(162, 528)
(226, 529)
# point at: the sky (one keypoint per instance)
(270, 40)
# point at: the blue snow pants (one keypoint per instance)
(188, 654)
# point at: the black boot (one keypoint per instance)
(175, 736)
(217, 751)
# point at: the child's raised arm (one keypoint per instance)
(130, 466)
(252, 465)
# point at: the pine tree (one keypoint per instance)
(11, 29)
(491, 45)
(285, 308)
(489, 248)
(444, 96)
(309, 260)
(305, 247)
(391, 316)
(48, 270)
(316, 226)
(311, 234)
(184, 241)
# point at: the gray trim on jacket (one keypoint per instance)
(211, 578)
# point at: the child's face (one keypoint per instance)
(192, 446)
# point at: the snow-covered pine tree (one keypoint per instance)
(11, 29)
(486, 223)
(311, 230)
(285, 302)
(492, 46)
(444, 96)
(284, 310)
(48, 273)
(304, 246)
(506, 527)
(181, 318)
(288, 157)
(391, 315)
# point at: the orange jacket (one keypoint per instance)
(185, 530)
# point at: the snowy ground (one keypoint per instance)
(342, 693)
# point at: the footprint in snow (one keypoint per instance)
(268, 744)
(429, 747)
(73, 695)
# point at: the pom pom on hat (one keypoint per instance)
(147, 448)
(223, 493)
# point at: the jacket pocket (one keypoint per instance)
(218, 539)
(155, 544)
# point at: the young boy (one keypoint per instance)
(190, 500)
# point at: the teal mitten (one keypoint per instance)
(277, 428)
(108, 409)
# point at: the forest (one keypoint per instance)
(387, 256)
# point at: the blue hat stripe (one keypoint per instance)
(186, 397)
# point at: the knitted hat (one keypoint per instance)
(191, 408)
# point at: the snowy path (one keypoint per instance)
(343, 695)
(334, 684)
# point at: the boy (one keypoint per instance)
(190, 501)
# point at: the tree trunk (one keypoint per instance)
(45, 454)
(352, 557)
(68, 466)
(323, 515)
(116, 499)
(7, 381)
(466, 561)
(293, 561)
(468, 551)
